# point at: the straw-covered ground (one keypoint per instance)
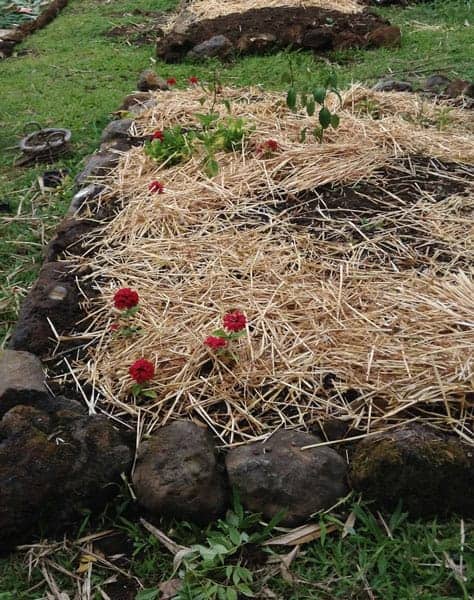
(351, 258)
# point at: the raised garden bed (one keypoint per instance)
(206, 29)
(349, 265)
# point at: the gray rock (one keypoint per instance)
(53, 465)
(436, 84)
(177, 474)
(22, 380)
(116, 130)
(217, 46)
(392, 85)
(432, 474)
(98, 164)
(83, 196)
(278, 476)
(150, 81)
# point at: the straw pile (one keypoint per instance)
(210, 9)
(362, 314)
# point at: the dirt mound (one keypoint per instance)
(261, 30)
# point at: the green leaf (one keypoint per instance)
(245, 590)
(220, 333)
(234, 535)
(231, 594)
(310, 107)
(150, 394)
(303, 134)
(324, 117)
(291, 98)
(319, 94)
(335, 120)
(212, 167)
(147, 595)
(136, 389)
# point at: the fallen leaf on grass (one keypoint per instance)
(300, 535)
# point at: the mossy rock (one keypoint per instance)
(430, 473)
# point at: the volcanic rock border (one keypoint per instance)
(56, 460)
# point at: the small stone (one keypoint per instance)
(116, 130)
(430, 473)
(460, 87)
(278, 476)
(177, 474)
(392, 85)
(258, 44)
(98, 164)
(133, 100)
(22, 380)
(386, 36)
(217, 46)
(346, 40)
(83, 196)
(318, 39)
(436, 84)
(150, 81)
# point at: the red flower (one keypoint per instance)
(156, 187)
(193, 80)
(268, 147)
(171, 81)
(125, 298)
(157, 135)
(235, 321)
(114, 327)
(142, 370)
(215, 342)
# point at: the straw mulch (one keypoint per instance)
(365, 320)
(210, 9)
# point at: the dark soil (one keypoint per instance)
(375, 208)
(283, 26)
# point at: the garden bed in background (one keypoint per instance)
(20, 19)
(205, 28)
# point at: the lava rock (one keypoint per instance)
(217, 46)
(318, 39)
(83, 196)
(386, 36)
(133, 100)
(54, 296)
(278, 476)
(460, 87)
(116, 130)
(53, 467)
(436, 84)
(392, 85)
(70, 236)
(149, 81)
(177, 474)
(22, 380)
(256, 44)
(98, 164)
(345, 40)
(430, 473)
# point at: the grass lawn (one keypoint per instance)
(71, 75)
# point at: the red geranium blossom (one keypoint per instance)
(142, 370)
(171, 81)
(156, 187)
(158, 135)
(114, 327)
(125, 298)
(235, 321)
(268, 147)
(215, 342)
(193, 80)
